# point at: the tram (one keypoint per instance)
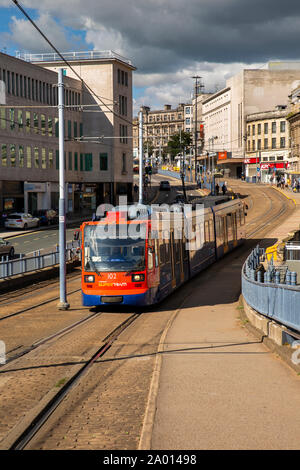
(140, 260)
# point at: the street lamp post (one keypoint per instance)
(63, 304)
(141, 157)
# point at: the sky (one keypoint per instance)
(168, 41)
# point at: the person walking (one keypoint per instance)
(217, 189)
(224, 188)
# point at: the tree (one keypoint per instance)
(148, 146)
(177, 143)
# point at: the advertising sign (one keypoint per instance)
(222, 155)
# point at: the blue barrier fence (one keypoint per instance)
(36, 261)
(274, 293)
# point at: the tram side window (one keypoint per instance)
(162, 253)
(207, 237)
(167, 251)
(176, 251)
(211, 230)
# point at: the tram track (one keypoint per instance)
(39, 421)
(284, 206)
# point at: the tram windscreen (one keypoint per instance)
(112, 254)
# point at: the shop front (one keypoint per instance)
(252, 169)
(271, 171)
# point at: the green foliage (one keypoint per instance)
(177, 143)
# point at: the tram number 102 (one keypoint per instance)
(111, 276)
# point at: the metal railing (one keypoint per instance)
(273, 292)
(36, 261)
(292, 251)
(72, 56)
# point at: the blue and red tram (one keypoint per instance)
(139, 262)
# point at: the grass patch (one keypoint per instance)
(61, 382)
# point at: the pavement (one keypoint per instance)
(219, 387)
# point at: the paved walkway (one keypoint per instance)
(219, 387)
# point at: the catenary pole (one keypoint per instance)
(141, 157)
(63, 304)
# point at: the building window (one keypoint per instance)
(253, 129)
(36, 123)
(3, 118)
(43, 124)
(50, 158)
(13, 155)
(103, 162)
(28, 157)
(253, 144)
(50, 127)
(274, 127)
(69, 129)
(44, 163)
(12, 118)
(70, 160)
(27, 116)
(282, 126)
(259, 129)
(248, 130)
(20, 119)
(75, 128)
(57, 159)
(4, 154)
(124, 163)
(21, 156)
(259, 144)
(56, 127)
(76, 161)
(266, 143)
(274, 143)
(266, 128)
(88, 161)
(282, 142)
(36, 157)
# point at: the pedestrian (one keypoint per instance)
(217, 189)
(135, 188)
(224, 188)
(298, 186)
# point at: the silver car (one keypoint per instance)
(21, 220)
(6, 249)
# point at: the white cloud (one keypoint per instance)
(26, 37)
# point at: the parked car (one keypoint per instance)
(6, 249)
(21, 220)
(46, 216)
(164, 186)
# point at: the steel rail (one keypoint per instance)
(37, 423)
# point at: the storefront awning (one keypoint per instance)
(230, 161)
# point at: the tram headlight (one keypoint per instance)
(89, 278)
(138, 277)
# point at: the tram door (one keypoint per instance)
(234, 229)
(225, 233)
